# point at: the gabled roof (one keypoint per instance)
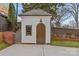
(3, 23)
(36, 12)
(4, 7)
(3, 15)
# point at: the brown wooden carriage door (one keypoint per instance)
(40, 34)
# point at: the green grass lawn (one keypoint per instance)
(3, 45)
(65, 43)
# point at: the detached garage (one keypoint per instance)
(35, 27)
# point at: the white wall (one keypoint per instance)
(34, 20)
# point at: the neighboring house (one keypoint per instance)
(35, 27)
(4, 7)
(19, 21)
(3, 16)
(3, 23)
(18, 32)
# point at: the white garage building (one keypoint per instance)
(36, 27)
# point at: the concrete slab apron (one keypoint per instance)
(22, 50)
(38, 50)
(60, 51)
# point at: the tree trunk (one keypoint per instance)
(76, 16)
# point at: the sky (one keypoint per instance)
(19, 8)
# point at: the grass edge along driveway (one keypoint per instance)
(3, 45)
(65, 43)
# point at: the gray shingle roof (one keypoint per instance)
(36, 12)
(3, 15)
(3, 23)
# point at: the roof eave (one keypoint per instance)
(34, 15)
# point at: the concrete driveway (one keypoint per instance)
(38, 50)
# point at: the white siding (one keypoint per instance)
(34, 20)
